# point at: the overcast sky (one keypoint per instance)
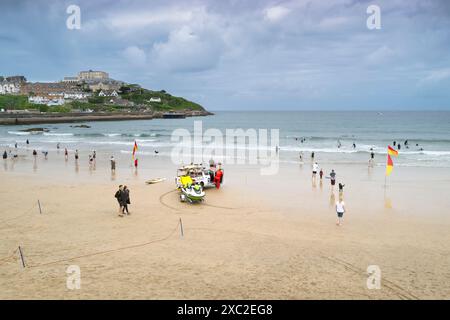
(243, 55)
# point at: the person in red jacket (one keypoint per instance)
(218, 178)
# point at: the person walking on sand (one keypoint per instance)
(340, 209)
(315, 169)
(113, 164)
(332, 178)
(119, 196)
(125, 200)
(66, 154)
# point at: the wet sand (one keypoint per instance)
(258, 237)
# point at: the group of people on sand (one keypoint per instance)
(123, 198)
(339, 205)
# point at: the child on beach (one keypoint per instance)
(340, 209)
(341, 188)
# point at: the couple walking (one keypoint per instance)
(123, 197)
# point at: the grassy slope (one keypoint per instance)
(139, 97)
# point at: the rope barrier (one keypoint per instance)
(18, 217)
(107, 251)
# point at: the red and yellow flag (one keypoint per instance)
(135, 148)
(392, 152)
(389, 165)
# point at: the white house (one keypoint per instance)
(9, 87)
(157, 99)
(76, 95)
(47, 100)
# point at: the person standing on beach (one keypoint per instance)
(94, 156)
(312, 156)
(34, 153)
(314, 170)
(5, 155)
(341, 188)
(66, 154)
(125, 200)
(28, 143)
(340, 209)
(113, 164)
(91, 161)
(58, 145)
(15, 145)
(119, 196)
(136, 163)
(76, 155)
(332, 178)
(321, 174)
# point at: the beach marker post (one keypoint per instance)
(181, 228)
(39, 205)
(21, 257)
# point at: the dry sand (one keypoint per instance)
(257, 237)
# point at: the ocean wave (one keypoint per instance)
(58, 134)
(19, 133)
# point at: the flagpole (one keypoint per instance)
(385, 175)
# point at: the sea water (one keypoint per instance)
(330, 135)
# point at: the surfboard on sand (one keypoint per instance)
(156, 180)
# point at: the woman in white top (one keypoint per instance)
(340, 209)
(315, 169)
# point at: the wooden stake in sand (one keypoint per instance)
(181, 228)
(39, 205)
(21, 257)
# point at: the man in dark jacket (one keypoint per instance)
(119, 196)
(125, 199)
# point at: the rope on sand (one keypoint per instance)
(20, 216)
(396, 289)
(107, 251)
(161, 200)
(7, 259)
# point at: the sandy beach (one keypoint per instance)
(258, 237)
